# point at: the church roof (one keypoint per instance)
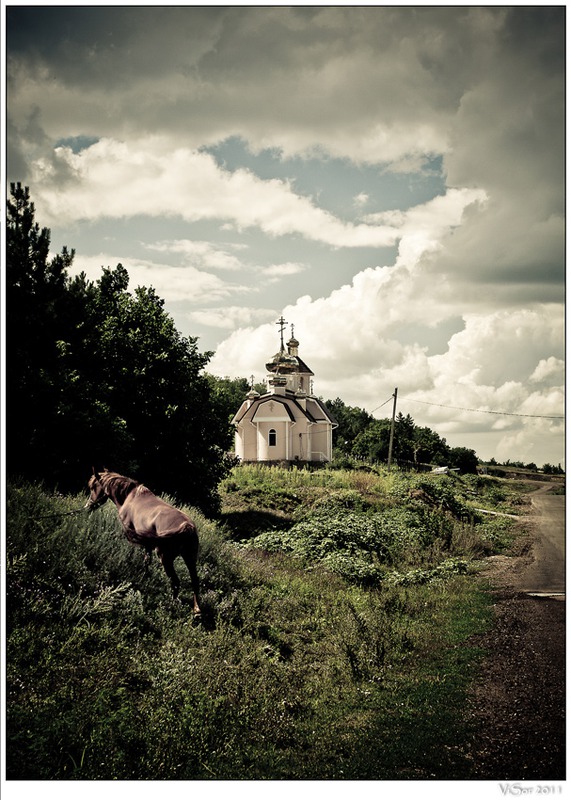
(325, 410)
(303, 366)
(315, 410)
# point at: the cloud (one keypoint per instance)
(148, 179)
(189, 184)
(369, 84)
(470, 314)
(277, 271)
(548, 369)
(203, 255)
(361, 199)
(172, 283)
(505, 361)
(231, 317)
(460, 95)
(240, 70)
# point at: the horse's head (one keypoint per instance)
(97, 493)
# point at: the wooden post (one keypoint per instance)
(392, 429)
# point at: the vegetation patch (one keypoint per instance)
(333, 647)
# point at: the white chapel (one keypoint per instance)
(287, 423)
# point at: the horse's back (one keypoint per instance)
(147, 511)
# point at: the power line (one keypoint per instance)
(481, 410)
(383, 404)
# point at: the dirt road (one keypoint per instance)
(545, 575)
(518, 701)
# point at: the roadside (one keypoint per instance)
(517, 703)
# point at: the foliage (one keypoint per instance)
(550, 469)
(356, 545)
(369, 525)
(351, 421)
(519, 466)
(227, 395)
(301, 670)
(361, 436)
(100, 376)
(465, 459)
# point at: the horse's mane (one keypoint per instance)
(117, 485)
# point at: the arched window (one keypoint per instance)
(272, 436)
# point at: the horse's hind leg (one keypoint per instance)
(147, 558)
(189, 554)
(167, 560)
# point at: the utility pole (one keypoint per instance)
(392, 436)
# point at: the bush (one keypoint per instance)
(359, 546)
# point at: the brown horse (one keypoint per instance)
(150, 522)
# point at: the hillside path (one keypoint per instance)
(517, 703)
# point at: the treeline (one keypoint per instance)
(96, 375)
(547, 469)
(361, 436)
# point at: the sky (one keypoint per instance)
(391, 180)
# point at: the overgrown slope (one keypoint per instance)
(337, 610)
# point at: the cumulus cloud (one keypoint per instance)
(361, 199)
(548, 369)
(148, 179)
(503, 362)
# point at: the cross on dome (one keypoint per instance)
(282, 323)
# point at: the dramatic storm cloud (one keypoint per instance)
(390, 179)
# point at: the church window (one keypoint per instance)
(272, 437)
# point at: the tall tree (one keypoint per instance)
(466, 460)
(228, 394)
(35, 321)
(351, 422)
(97, 375)
(154, 382)
(372, 443)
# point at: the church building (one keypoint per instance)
(287, 423)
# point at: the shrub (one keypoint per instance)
(359, 546)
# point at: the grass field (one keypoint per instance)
(338, 607)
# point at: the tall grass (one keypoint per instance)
(375, 479)
(300, 671)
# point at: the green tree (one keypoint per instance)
(171, 434)
(36, 319)
(227, 395)
(351, 422)
(372, 443)
(466, 460)
(99, 376)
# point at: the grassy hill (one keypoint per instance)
(338, 609)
